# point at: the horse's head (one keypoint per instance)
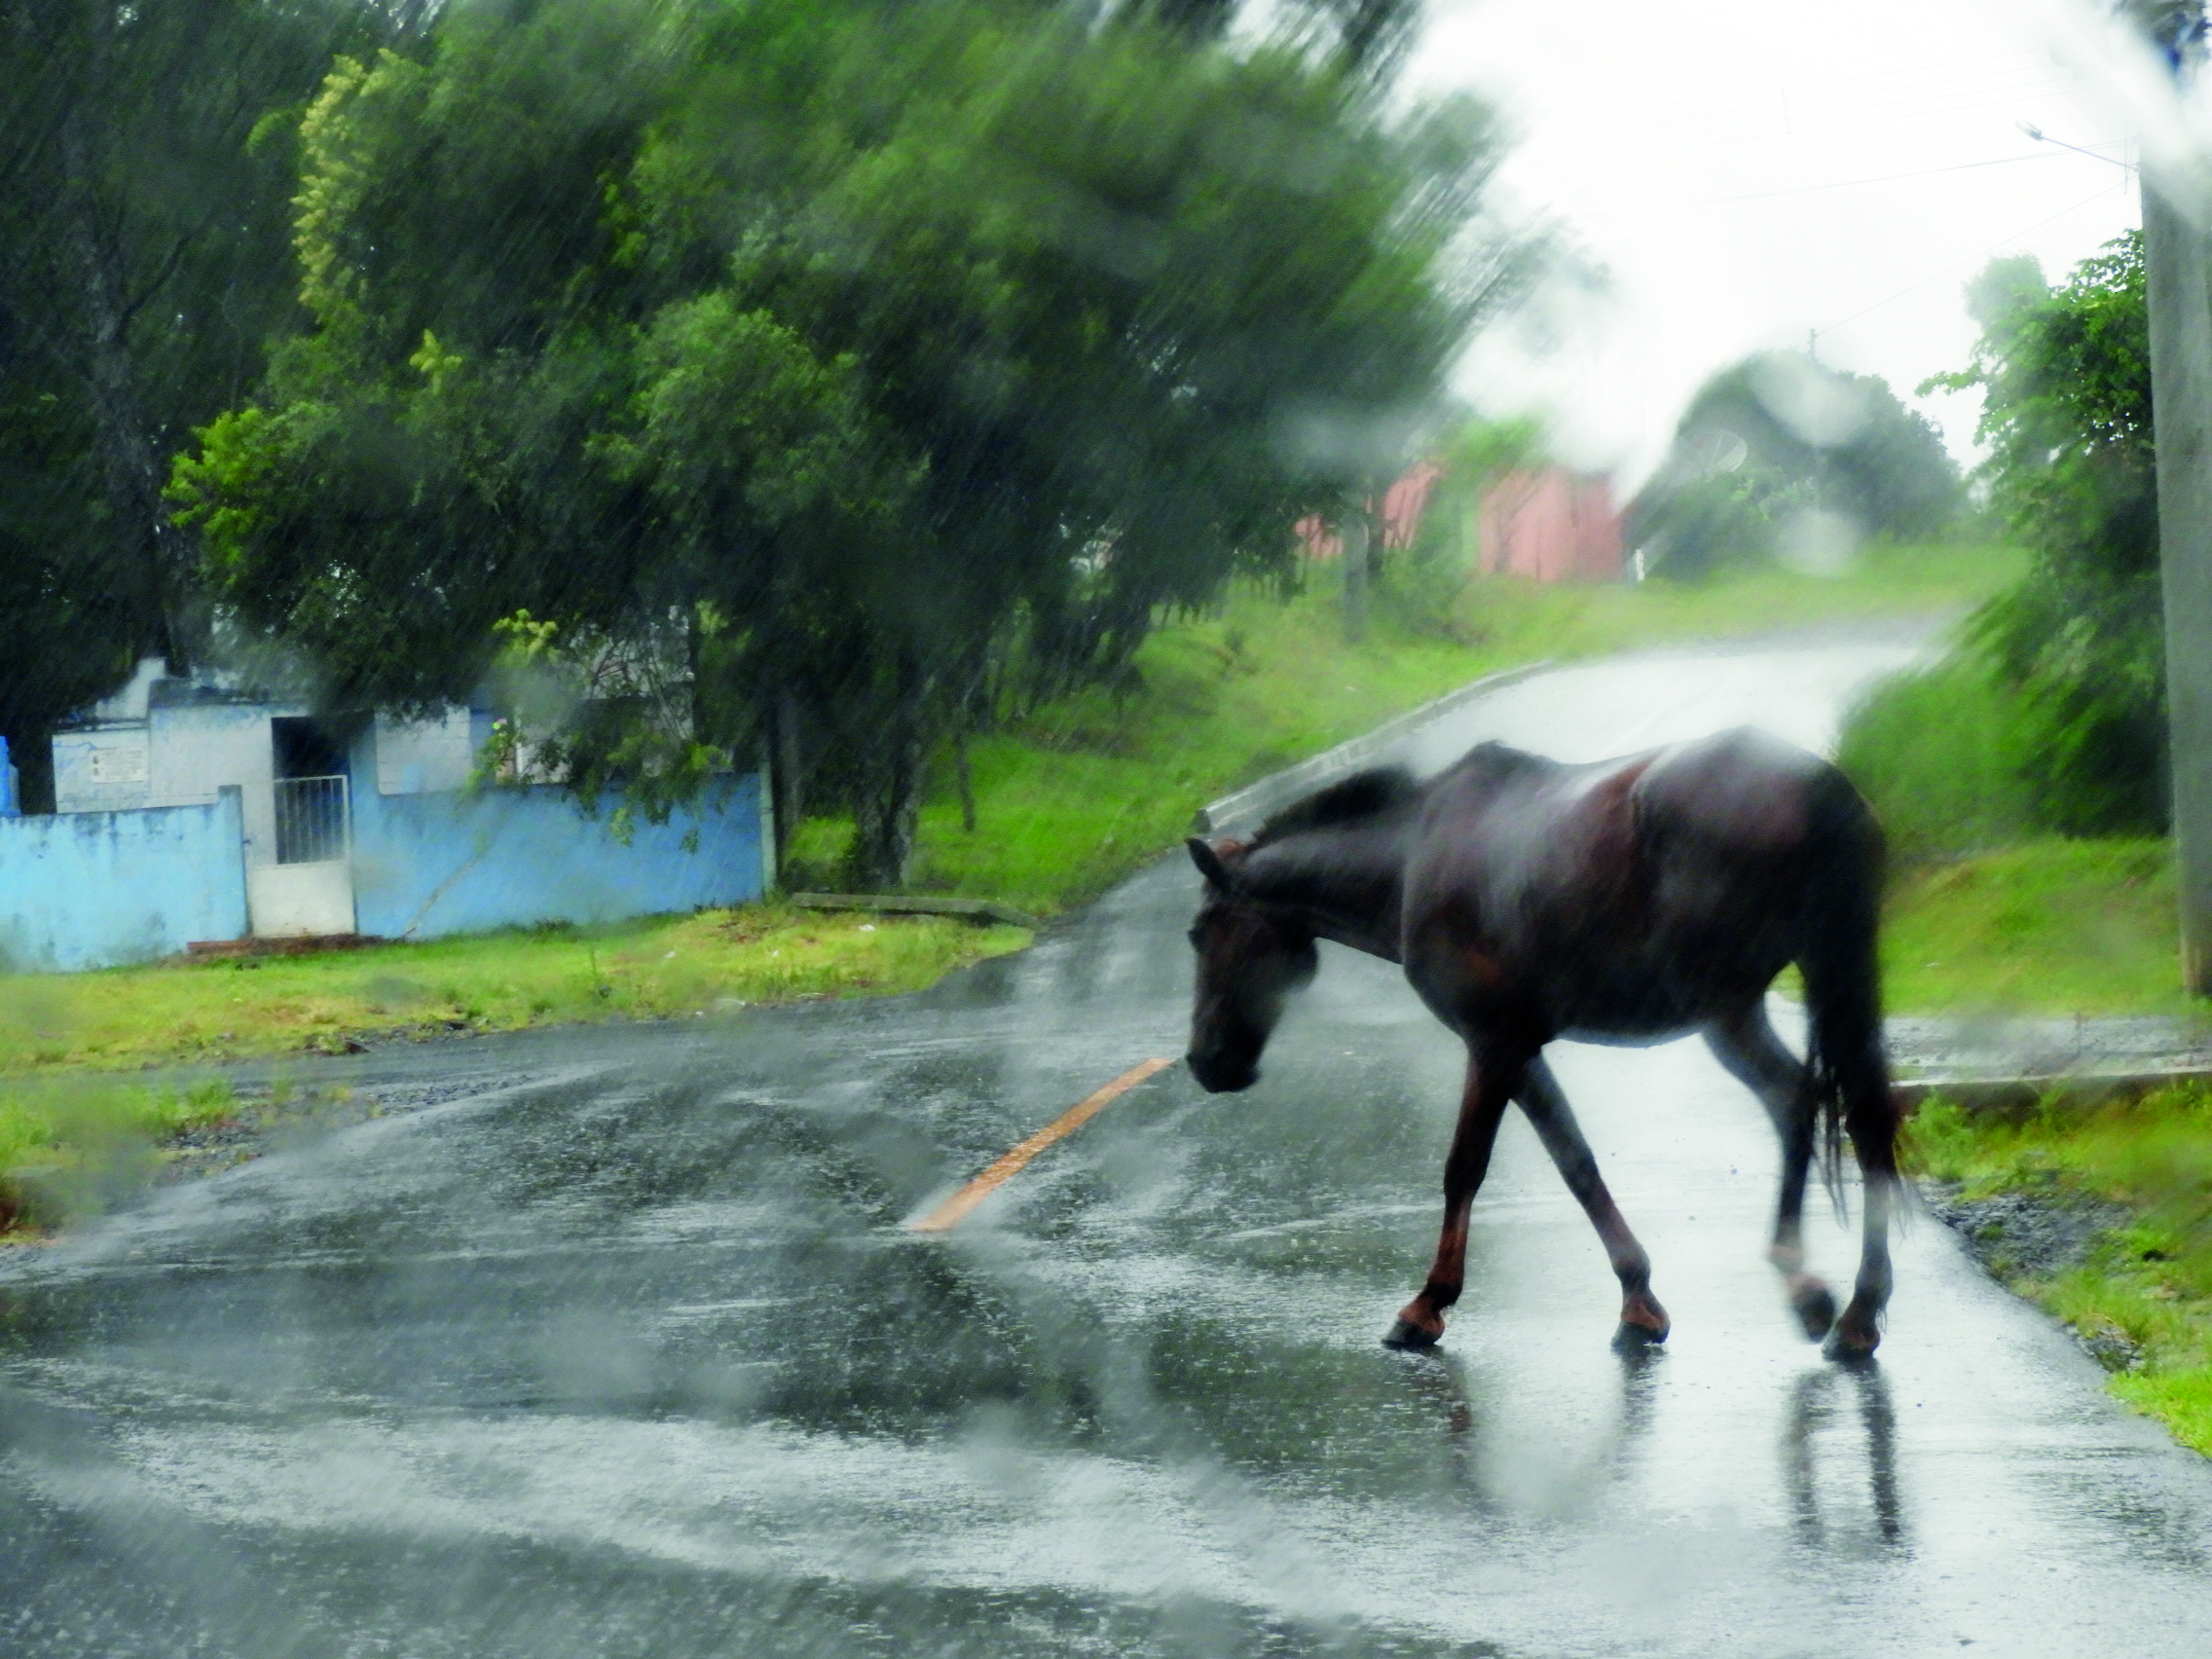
(1251, 956)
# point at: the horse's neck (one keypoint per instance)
(1347, 881)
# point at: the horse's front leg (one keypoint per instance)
(1747, 1045)
(1493, 1074)
(1643, 1319)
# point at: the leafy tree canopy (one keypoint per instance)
(1781, 455)
(832, 353)
(2065, 376)
(143, 218)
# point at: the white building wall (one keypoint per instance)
(102, 769)
(198, 748)
(423, 757)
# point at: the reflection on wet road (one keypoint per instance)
(626, 1352)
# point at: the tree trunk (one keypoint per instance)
(1355, 562)
(787, 769)
(31, 752)
(152, 554)
(887, 809)
(967, 779)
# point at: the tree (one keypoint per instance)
(2065, 377)
(839, 355)
(1779, 437)
(142, 219)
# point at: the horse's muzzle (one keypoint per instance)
(1221, 1073)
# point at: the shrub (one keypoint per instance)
(1941, 754)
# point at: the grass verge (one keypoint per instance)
(2141, 1295)
(663, 968)
(2049, 927)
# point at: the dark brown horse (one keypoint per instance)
(1628, 901)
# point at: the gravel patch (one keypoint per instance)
(262, 1119)
(2022, 1238)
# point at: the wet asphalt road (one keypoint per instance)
(621, 1349)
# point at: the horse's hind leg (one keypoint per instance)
(1746, 1044)
(1493, 1074)
(1643, 1319)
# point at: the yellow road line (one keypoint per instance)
(949, 1213)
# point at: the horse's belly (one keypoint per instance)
(1638, 1005)
(1609, 1037)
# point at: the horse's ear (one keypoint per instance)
(1210, 864)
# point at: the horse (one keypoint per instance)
(1626, 901)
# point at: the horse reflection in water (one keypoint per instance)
(1813, 1419)
(1628, 901)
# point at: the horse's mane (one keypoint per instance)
(1363, 795)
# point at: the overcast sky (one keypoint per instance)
(1734, 166)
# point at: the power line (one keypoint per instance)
(1815, 109)
(1938, 276)
(1886, 89)
(1820, 101)
(1885, 178)
(1804, 122)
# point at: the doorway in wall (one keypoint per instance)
(308, 888)
(303, 747)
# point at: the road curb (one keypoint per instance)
(2017, 1096)
(1295, 781)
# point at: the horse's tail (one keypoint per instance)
(1837, 954)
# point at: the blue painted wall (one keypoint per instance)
(93, 889)
(464, 861)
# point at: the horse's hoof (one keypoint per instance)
(1643, 1320)
(1853, 1343)
(1816, 1312)
(1409, 1337)
(1630, 1337)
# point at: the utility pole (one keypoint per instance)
(2177, 257)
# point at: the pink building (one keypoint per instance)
(1546, 524)
(1402, 505)
(1551, 525)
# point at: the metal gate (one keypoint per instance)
(311, 820)
(307, 889)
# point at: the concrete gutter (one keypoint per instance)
(1257, 801)
(2018, 1096)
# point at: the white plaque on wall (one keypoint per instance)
(123, 763)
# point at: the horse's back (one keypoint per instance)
(1632, 897)
(1751, 794)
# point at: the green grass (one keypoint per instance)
(1938, 754)
(68, 1139)
(2048, 927)
(1090, 788)
(2149, 1283)
(671, 967)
